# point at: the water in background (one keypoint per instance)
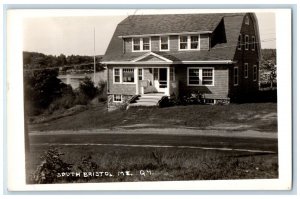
(74, 79)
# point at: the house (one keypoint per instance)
(175, 55)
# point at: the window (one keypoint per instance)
(172, 74)
(235, 76)
(254, 73)
(207, 76)
(194, 42)
(124, 75)
(247, 20)
(146, 44)
(246, 42)
(190, 42)
(128, 75)
(239, 42)
(140, 74)
(200, 76)
(246, 70)
(164, 43)
(117, 78)
(117, 98)
(253, 43)
(136, 44)
(183, 42)
(141, 44)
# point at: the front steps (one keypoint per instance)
(147, 100)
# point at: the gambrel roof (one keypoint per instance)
(172, 24)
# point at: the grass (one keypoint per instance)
(160, 164)
(256, 116)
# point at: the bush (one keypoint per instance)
(87, 88)
(102, 91)
(67, 100)
(51, 166)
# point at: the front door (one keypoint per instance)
(160, 79)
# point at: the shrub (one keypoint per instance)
(87, 88)
(102, 91)
(50, 167)
(67, 100)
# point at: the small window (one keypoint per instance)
(194, 42)
(136, 44)
(172, 74)
(146, 44)
(140, 74)
(246, 42)
(128, 75)
(253, 43)
(246, 70)
(207, 76)
(194, 78)
(183, 42)
(239, 42)
(164, 43)
(247, 20)
(117, 98)
(254, 73)
(117, 77)
(209, 101)
(236, 76)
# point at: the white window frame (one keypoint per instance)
(121, 75)
(237, 76)
(188, 42)
(140, 75)
(253, 43)
(246, 70)
(161, 43)
(246, 42)
(120, 71)
(200, 76)
(117, 101)
(255, 75)
(141, 44)
(172, 73)
(247, 20)
(240, 42)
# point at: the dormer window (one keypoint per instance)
(164, 43)
(189, 42)
(141, 44)
(247, 20)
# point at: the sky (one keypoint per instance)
(75, 34)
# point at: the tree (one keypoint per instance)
(41, 87)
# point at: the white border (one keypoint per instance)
(16, 162)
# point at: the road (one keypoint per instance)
(201, 141)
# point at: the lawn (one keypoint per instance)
(146, 164)
(161, 164)
(251, 116)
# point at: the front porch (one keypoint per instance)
(159, 80)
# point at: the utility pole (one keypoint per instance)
(94, 58)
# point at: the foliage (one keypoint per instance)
(51, 165)
(268, 70)
(87, 88)
(71, 62)
(102, 91)
(41, 87)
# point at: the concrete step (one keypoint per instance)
(147, 100)
(143, 104)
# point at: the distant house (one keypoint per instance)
(216, 55)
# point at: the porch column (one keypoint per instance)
(136, 80)
(168, 81)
